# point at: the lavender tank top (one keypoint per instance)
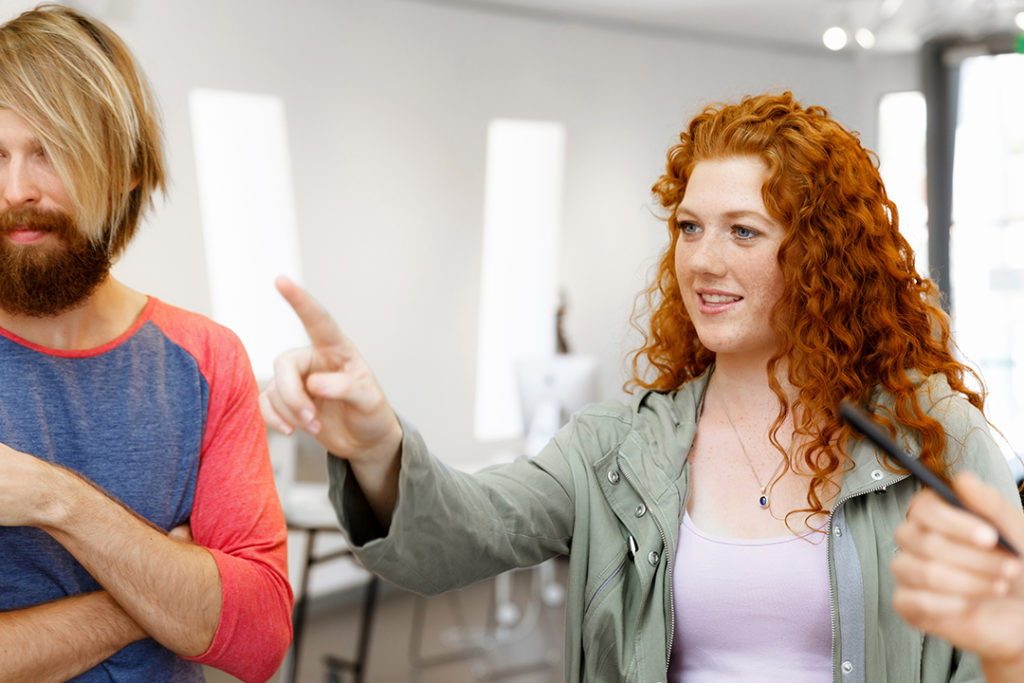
(751, 609)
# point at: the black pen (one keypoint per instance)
(859, 420)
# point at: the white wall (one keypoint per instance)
(388, 103)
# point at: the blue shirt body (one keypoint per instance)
(130, 418)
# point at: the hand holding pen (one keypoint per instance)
(956, 574)
(861, 422)
(955, 581)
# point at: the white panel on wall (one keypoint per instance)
(248, 214)
(522, 221)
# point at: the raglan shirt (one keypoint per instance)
(164, 419)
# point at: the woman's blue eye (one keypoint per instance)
(687, 227)
(745, 233)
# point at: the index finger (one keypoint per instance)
(319, 324)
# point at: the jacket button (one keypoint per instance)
(877, 474)
(641, 510)
(837, 531)
(847, 667)
(653, 558)
(613, 476)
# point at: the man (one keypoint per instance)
(140, 532)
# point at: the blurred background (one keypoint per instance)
(447, 175)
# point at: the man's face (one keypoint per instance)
(47, 265)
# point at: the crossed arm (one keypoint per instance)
(58, 640)
(155, 585)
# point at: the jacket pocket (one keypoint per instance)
(609, 620)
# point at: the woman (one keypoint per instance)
(724, 525)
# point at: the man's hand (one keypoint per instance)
(953, 581)
(328, 390)
(30, 489)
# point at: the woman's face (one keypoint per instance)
(726, 256)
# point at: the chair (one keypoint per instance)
(312, 523)
(517, 639)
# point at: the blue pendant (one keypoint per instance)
(763, 500)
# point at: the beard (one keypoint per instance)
(45, 280)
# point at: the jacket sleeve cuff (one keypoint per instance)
(355, 515)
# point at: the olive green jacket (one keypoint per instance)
(609, 491)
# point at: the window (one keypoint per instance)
(248, 214)
(522, 222)
(901, 153)
(987, 237)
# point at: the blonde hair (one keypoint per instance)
(78, 87)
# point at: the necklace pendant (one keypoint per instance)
(763, 501)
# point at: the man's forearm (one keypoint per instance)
(59, 640)
(171, 589)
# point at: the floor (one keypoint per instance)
(459, 640)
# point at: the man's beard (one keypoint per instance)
(45, 280)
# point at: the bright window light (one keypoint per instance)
(902, 119)
(987, 237)
(248, 214)
(889, 8)
(522, 223)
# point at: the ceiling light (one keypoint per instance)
(834, 38)
(1019, 20)
(865, 38)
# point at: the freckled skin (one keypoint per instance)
(726, 257)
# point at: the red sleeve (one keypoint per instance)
(236, 513)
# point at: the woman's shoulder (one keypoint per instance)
(646, 416)
(967, 429)
(948, 406)
(645, 406)
(937, 399)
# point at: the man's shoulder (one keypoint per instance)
(216, 348)
(189, 327)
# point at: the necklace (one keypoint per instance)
(763, 498)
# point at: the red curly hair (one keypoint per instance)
(855, 313)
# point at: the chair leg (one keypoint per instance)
(357, 666)
(366, 627)
(299, 612)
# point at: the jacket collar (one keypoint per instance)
(869, 471)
